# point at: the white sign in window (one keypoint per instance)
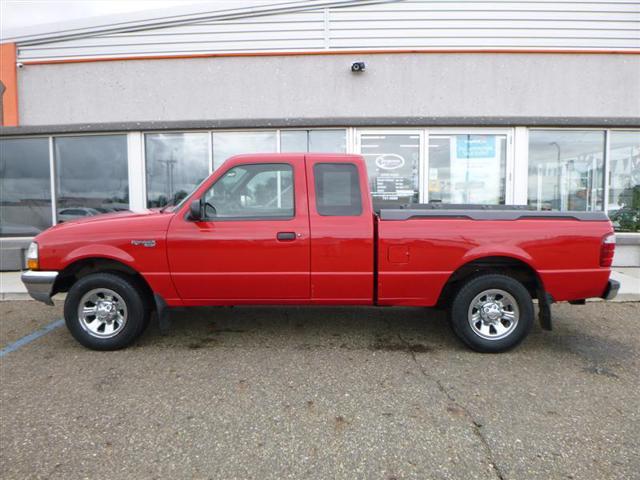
(393, 162)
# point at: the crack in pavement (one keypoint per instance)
(475, 425)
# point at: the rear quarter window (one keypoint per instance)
(337, 189)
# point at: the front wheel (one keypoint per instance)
(492, 313)
(105, 311)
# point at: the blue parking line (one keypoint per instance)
(31, 337)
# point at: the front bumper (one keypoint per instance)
(612, 290)
(39, 284)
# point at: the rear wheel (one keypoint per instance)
(106, 311)
(492, 313)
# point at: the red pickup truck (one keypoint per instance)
(300, 229)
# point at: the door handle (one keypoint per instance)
(286, 236)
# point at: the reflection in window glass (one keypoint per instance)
(467, 169)
(91, 175)
(327, 141)
(294, 141)
(624, 180)
(566, 170)
(315, 141)
(259, 190)
(176, 163)
(392, 166)
(228, 144)
(337, 189)
(25, 188)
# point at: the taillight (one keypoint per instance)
(607, 250)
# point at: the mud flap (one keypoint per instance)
(544, 309)
(162, 311)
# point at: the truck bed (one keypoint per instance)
(421, 247)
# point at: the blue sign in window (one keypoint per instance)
(475, 146)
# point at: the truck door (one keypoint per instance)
(252, 245)
(342, 236)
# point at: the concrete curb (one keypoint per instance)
(23, 296)
(7, 296)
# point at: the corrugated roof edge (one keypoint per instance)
(163, 18)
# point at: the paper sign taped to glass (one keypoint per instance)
(394, 177)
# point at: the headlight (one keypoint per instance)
(32, 256)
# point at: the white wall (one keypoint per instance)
(323, 86)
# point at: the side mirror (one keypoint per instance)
(195, 210)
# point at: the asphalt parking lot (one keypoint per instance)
(323, 393)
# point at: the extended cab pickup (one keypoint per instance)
(299, 229)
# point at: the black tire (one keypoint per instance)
(130, 293)
(475, 337)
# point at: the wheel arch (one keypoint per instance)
(514, 267)
(88, 265)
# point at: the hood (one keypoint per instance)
(109, 223)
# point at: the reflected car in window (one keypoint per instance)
(67, 214)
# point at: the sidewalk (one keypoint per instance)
(11, 288)
(629, 278)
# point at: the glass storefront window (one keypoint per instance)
(294, 140)
(624, 180)
(316, 141)
(176, 163)
(566, 170)
(25, 186)
(327, 141)
(467, 168)
(91, 175)
(228, 144)
(393, 162)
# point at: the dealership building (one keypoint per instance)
(454, 102)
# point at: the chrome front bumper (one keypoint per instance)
(39, 284)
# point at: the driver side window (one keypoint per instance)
(262, 190)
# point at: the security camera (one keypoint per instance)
(357, 67)
(20, 65)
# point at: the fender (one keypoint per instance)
(504, 251)
(544, 299)
(160, 283)
(99, 250)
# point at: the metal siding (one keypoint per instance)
(487, 25)
(420, 25)
(285, 32)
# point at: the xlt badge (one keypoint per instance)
(144, 243)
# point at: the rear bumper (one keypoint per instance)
(612, 290)
(39, 284)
